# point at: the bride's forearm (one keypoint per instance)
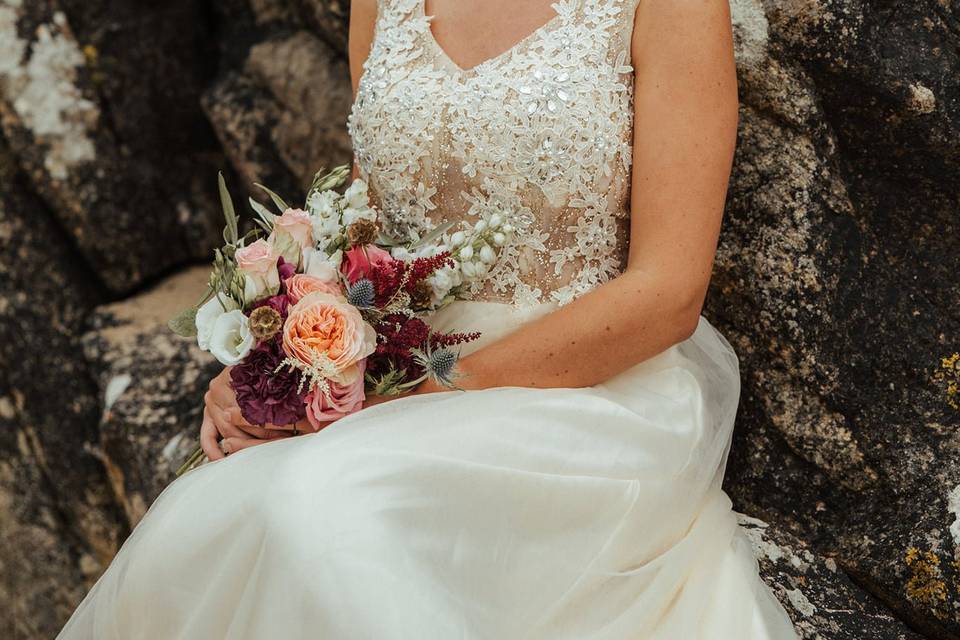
(604, 332)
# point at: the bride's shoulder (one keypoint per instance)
(680, 22)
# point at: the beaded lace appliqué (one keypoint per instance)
(540, 135)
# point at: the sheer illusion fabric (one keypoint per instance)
(507, 513)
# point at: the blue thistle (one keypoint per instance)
(361, 294)
(438, 364)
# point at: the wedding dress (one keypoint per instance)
(502, 514)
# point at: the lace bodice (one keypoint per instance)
(540, 135)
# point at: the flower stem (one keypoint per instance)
(192, 461)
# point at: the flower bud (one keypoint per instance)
(499, 239)
(457, 239)
(480, 226)
(487, 255)
(495, 221)
(467, 252)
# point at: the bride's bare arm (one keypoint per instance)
(686, 114)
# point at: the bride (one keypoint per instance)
(572, 490)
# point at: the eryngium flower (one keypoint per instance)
(361, 294)
(362, 232)
(265, 322)
(438, 364)
(267, 396)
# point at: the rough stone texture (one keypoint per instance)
(820, 599)
(152, 382)
(58, 523)
(270, 112)
(836, 283)
(99, 104)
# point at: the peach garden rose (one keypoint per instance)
(325, 325)
(299, 285)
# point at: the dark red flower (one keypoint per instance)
(266, 396)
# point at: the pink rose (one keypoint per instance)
(343, 399)
(258, 262)
(292, 233)
(301, 284)
(360, 261)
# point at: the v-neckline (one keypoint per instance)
(422, 5)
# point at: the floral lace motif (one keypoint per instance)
(541, 135)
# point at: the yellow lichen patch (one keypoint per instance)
(948, 375)
(926, 586)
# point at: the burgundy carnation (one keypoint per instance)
(264, 396)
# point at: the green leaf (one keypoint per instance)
(184, 324)
(264, 214)
(277, 200)
(435, 233)
(230, 232)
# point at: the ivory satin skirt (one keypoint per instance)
(501, 514)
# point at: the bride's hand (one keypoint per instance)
(222, 420)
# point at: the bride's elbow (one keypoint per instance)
(686, 317)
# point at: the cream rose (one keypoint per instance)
(292, 233)
(258, 264)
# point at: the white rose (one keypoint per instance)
(207, 315)
(231, 339)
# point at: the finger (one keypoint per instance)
(235, 418)
(208, 437)
(225, 426)
(265, 434)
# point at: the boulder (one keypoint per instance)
(98, 102)
(269, 112)
(839, 292)
(819, 597)
(152, 383)
(59, 526)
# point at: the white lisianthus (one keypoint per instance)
(207, 315)
(318, 264)
(231, 339)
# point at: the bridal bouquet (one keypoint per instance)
(316, 307)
